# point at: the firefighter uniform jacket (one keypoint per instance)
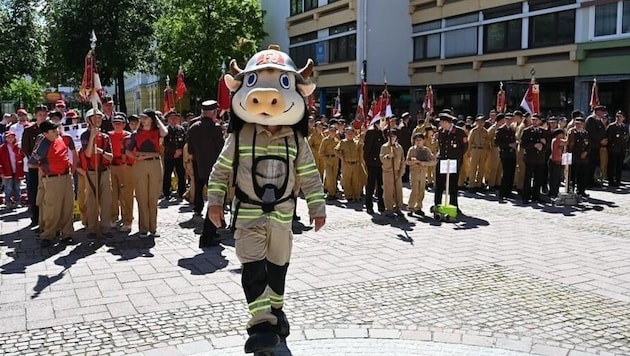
(531, 136)
(281, 144)
(577, 144)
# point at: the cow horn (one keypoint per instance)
(307, 70)
(234, 68)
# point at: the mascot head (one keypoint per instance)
(270, 90)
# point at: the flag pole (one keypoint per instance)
(95, 107)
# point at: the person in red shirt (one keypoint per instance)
(50, 156)
(122, 175)
(96, 155)
(11, 169)
(558, 145)
(144, 147)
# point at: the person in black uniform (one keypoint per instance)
(174, 143)
(596, 129)
(452, 143)
(404, 139)
(617, 134)
(534, 142)
(579, 144)
(374, 139)
(505, 139)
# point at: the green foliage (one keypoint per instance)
(21, 40)
(199, 35)
(24, 91)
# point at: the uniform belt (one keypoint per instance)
(97, 170)
(121, 164)
(479, 148)
(55, 175)
(150, 158)
(351, 162)
(330, 156)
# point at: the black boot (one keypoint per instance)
(261, 338)
(282, 328)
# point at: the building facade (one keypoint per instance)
(147, 91)
(463, 48)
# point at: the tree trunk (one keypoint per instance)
(122, 104)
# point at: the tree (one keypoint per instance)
(24, 93)
(125, 32)
(21, 40)
(199, 35)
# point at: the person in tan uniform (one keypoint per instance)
(478, 146)
(315, 139)
(493, 169)
(331, 162)
(464, 172)
(420, 160)
(349, 151)
(121, 174)
(393, 159)
(430, 141)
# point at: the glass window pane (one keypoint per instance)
(606, 19)
(460, 42)
(515, 31)
(460, 20)
(625, 23)
(433, 46)
(495, 37)
(419, 47)
(427, 26)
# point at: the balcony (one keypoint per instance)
(428, 10)
(335, 74)
(333, 14)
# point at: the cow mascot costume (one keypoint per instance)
(265, 158)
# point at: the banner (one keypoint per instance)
(75, 131)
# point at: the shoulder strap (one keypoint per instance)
(297, 141)
(236, 157)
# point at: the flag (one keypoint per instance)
(91, 88)
(373, 107)
(427, 104)
(180, 89)
(310, 102)
(531, 99)
(169, 100)
(223, 95)
(501, 102)
(384, 104)
(594, 95)
(362, 108)
(337, 107)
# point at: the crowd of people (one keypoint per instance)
(155, 156)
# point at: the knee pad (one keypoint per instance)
(254, 279)
(276, 277)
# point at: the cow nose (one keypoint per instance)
(268, 101)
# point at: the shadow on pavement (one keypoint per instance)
(466, 222)
(209, 261)
(282, 349)
(130, 248)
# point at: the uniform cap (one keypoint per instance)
(404, 115)
(22, 112)
(172, 113)
(600, 107)
(41, 107)
(71, 114)
(579, 119)
(9, 133)
(119, 117)
(93, 112)
(56, 114)
(149, 113)
(47, 126)
(60, 102)
(557, 132)
(133, 118)
(209, 105)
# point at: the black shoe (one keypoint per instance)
(261, 338)
(45, 243)
(282, 328)
(410, 213)
(68, 241)
(391, 215)
(370, 211)
(420, 212)
(399, 214)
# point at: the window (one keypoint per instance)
(502, 36)
(552, 29)
(300, 6)
(426, 47)
(301, 54)
(460, 20)
(427, 26)
(346, 27)
(303, 38)
(606, 19)
(535, 5)
(460, 42)
(507, 10)
(342, 49)
(625, 21)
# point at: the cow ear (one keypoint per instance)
(306, 89)
(232, 83)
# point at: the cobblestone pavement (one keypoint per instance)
(503, 280)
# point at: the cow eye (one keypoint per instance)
(251, 79)
(285, 82)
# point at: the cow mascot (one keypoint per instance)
(265, 158)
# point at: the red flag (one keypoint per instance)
(427, 104)
(91, 88)
(384, 104)
(310, 102)
(223, 95)
(594, 95)
(374, 108)
(180, 89)
(169, 101)
(531, 99)
(501, 102)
